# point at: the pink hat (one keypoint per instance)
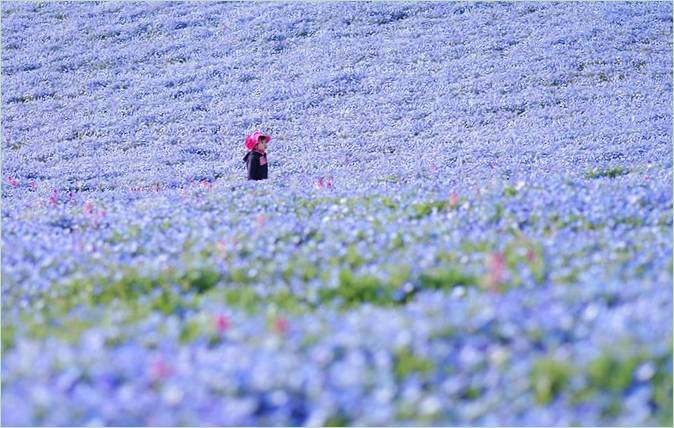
(252, 139)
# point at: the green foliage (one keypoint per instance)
(131, 286)
(353, 290)
(549, 377)
(610, 173)
(389, 179)
(337, 420)
(243, 298)
(613, 373)
(248, 300)
(471, 393)
(190, 331)
(353, 258)
(510, 191)
(405, 362)
(662, 389)
(397, 242)
(388, 202)
(8, 336)
(498, 212)
(446, 278)
(631, 221)
(423, 209)
(398, 274)
(200, 279)
(475, 247)
(239, 276)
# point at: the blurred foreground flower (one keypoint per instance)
(221, 323)
(453, 200)
(159, 370)
(280, 325)
(495, 271)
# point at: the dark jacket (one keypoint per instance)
(256, 163)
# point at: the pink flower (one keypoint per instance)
(322, 183)
(88, 207)
(159, 370)
(280, 325)
(261, 220)
(78, 243)
(531, 255)
(207, 185)
(54, 198)
(453, 200)
(221, 247)
(495, 270)
(12, 182)
(221, 323)
(33, 186)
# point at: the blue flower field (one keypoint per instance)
(467, 221)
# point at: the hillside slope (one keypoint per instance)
(468, 219)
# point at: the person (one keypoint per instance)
(256, 158)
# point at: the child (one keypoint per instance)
(256, 158)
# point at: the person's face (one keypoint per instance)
(262, 144)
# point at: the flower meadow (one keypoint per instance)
(467, 221)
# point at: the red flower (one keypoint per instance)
(33, 186)
(221, 323)
(322, 183)
(12, 182)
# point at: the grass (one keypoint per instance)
(610, 172)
